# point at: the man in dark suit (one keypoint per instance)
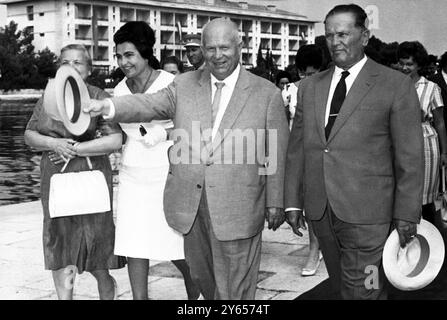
(355, 158)
(440, 78)
(226, 173)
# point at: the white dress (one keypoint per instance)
(141, 227)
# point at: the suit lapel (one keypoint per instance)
(362, 84)
(235, 106)
(321, 95)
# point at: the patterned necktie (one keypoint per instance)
(216, 101)
(337, 101)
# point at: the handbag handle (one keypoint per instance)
(89, 163)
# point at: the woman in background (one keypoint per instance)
(173, 65)
(142, 232)
(412, 59)
(85, 242)
(308, 61)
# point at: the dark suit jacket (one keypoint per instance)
(370, 169)
(238, 190)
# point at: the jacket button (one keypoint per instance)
(326, 150)
(199, 186)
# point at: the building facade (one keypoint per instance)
(93, 23)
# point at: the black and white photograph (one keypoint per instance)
(254, 150)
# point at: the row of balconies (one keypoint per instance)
(85, 11)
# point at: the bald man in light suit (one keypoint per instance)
(218, 203)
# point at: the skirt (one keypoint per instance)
(432, 163)
(141, 227)
(85, 241)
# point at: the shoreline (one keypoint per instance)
(28, 95)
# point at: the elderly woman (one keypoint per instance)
(412, 59)
(142, 232)
(84, 242)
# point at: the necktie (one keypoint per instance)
(337, 101)
(216, 101)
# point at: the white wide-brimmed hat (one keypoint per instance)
(64, 100)
(418, 264)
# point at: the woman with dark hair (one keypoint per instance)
(412, 59)
(283, 78)
(172, 64)
(74, 244)
(308, 61)
(142, 232)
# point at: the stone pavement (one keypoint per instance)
(22, 274)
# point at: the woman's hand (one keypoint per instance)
(62, 149)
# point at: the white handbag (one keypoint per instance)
(78, 193)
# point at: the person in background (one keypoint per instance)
(440, 78)
(308, 61)
(172, 64)
(432, 66)
(141, 229)
(75, 244)
(413, 58)
(193, 51)
(282, 79)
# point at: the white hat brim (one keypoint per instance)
(71, 92)
(431, 269)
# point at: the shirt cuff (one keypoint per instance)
(111, 110)
(292, 209)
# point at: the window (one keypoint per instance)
(41, 14)
(42, 34)
(30, 12)
(30, 30)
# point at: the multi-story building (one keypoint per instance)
(93, 23)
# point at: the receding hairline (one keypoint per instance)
(225, 22)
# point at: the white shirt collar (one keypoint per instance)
(230, 81)
(354, 70)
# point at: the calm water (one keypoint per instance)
(19, 167)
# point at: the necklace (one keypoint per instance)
(143, 89)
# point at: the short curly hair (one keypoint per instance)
(415, 50)
(140, 34)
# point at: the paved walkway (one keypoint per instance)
(22, 274)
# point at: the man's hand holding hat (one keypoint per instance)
(98, 107)
(406, 231)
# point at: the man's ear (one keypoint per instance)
(366, 35)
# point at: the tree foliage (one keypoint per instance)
(20, 66)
